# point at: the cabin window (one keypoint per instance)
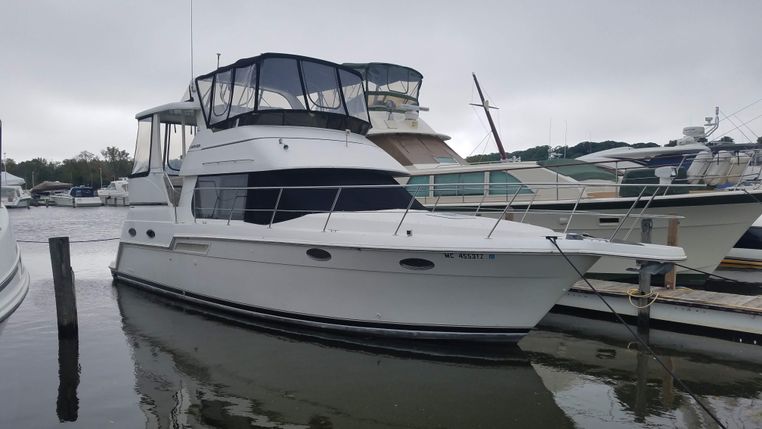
(142, 158)
(418, 186)
(354, 96)
(502, 183)
(459, 184)
(245, 91)
(225, 196)
(280, 86)
(220, 196)
(175, 139)
(445, 160)
(322, 87)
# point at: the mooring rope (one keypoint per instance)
(635, 293)
(640, 340)
(710, 274)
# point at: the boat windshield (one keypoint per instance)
(389, 86)
(82, 192)
(9, 192)
(578, 170)
(280, 89)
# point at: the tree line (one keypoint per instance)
(85, 168)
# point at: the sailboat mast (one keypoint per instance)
(485, 105)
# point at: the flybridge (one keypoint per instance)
(389, 86)
(282, 89)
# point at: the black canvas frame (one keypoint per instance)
(287, 116)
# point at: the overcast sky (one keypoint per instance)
(73, 74)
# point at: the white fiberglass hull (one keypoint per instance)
(14, 278)
(369, 293)
(114, 199)
(67, 201)
(18, 203)
(487, 295)
(711, 225)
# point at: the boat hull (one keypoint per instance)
(114, 199)
(19, 203)
(67, 201)
(14, 278)
(747, 253)
(711, 225)
(360, 291)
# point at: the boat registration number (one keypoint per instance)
(453, 255)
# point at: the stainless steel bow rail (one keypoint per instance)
(226, 201)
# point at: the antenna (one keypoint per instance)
(218, 59)
(486, 106)
(191, 39)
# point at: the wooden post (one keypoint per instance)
(67, 404)
(670, 279)
(644, 285)
(63, 283)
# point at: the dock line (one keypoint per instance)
(708, 273)
(635, 293)
(640, 340)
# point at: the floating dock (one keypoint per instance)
(684, 307)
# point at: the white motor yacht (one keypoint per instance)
(78, 196)
(547, 193)
(14, 278)
(15, 197)
(116, 193)
(282, 210)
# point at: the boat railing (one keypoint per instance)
(226, 207)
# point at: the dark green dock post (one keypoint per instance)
(63, 284)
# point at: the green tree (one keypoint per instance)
(117, 162)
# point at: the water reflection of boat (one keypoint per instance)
(571, 350)
(197, 371)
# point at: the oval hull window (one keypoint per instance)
(318, 254)
(416, 264)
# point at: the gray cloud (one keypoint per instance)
(73, 74)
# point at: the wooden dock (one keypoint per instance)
(682, 306)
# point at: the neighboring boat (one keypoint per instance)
(42, 192)
(116, 193)
(283, 210)
(546, 193)
(747, 252)
(14, 278)
(14, 197)
(78, 196)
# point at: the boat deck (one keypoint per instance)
(682, 306)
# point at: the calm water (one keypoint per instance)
(144, 362)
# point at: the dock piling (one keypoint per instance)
(670, 279)
(644, 284)
(63, 284)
